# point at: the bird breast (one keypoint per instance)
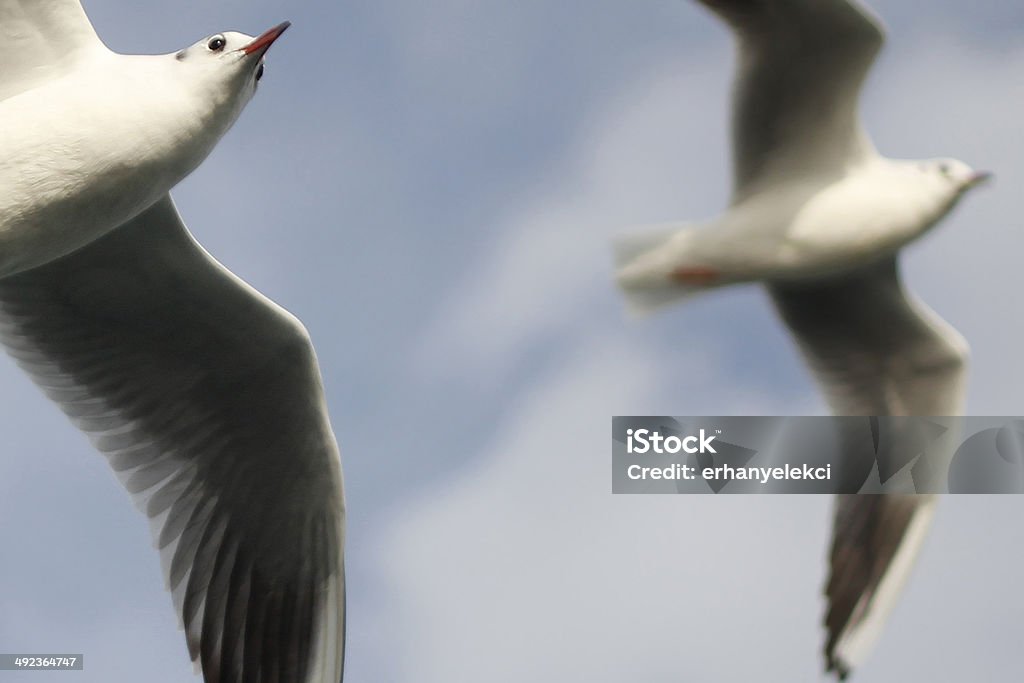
(74, 165)
(807, 232)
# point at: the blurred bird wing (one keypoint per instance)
(875, 350)
(875, 542)
(795, 99)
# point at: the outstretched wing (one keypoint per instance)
(795, 98)
(207, 400)
(40, 40)
(875, 350)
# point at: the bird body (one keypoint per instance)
(798, 230)
(818, 217)
(204, 395)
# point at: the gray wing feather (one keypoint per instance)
(206, 398)
(795, 97)
(875, 351)
(867, 532)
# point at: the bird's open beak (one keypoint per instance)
(979, 178)
(266, 40)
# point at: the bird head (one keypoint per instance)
(953, 177)
(226, 67)
(942, 183)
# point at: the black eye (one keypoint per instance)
(259, 72)
(216, 43)
(944, 169)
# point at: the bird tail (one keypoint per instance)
(652, 270)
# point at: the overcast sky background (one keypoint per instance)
(431, 186)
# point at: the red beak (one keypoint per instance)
(266, 40)
(978, 178)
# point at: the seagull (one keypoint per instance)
(818, 217)
(204, 395)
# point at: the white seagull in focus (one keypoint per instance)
(204, 395)
(818, 216)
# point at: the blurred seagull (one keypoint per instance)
(204, 395)
(819, 216)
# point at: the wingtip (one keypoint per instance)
(836, 666)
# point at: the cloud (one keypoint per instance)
(549, 267)
(525, 566)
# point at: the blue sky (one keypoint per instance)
(431, 187)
